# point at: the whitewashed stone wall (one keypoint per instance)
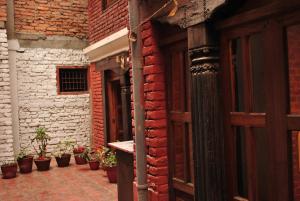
(40, 105)
(6, 135)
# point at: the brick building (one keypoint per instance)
(41, 50)
(220, 97)
(210, 63)
(208, 90)
(109, 71)
(6, 114)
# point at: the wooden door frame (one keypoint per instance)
(279, 170)
(125, 99)
(112, 101)
(113, 63)
(177, 37)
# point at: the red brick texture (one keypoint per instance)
(293, 35)
(52, 17)
(155, 116)
(2, 10)
(103, 23)
(97, 107)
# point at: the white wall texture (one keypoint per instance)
(6, 136)
(40, 105)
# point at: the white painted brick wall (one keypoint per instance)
(6, 136)
(39, 105)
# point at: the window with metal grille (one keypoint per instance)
(72, 79)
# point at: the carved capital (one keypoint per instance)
(204, 60)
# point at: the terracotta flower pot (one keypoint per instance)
(78, 159)
(94, 165)
(112, 174)
(9, 171)
(43, 164)
(63, 161)
(25, 164)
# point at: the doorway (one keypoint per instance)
(118, 117)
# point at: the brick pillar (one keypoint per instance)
(155, 116)
(97, 107)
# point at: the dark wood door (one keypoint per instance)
(255, 100)
(181, 174)
(115, 121)
(246, 135)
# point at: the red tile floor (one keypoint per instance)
(73, 183)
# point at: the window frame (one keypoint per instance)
(58, 68)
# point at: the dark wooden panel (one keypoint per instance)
(276, 108)
(125, 176)
(227, 94)
(255, 14)
(179, 118)
(274, 120)
(114, 107)
(293, 122)
(248, 119)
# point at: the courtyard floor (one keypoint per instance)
(73, 183)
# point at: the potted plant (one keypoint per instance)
(93, 158)
(25, 161)
(41, 138)
(78, 151)
(110, 165)
(9, 170)
(63, 153)
(102, 154)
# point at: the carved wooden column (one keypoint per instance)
(206, 114)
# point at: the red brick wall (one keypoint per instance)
(2, 10)
(52, 17)
(155, 116)
(293, 35)
(103, 23)
(97, 107)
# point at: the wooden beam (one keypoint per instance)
(248, 119)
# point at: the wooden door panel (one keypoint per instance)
(111, 113)
(246, 113)
(179, 118)
(115, 118)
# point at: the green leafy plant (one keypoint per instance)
(90, 155)
(23, 153)
(64, 147)
(41, 139)
(102, 151)
(110, 159)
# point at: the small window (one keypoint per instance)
(107, 3)
(72, 79)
